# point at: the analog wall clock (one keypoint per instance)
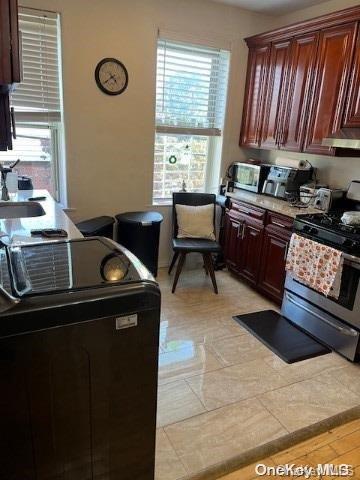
(111, 76)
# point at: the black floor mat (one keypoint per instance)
(281, 336)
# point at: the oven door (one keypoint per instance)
(334, 322)
(347, 306)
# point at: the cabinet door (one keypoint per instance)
(232, 241)
(328, 95)
(301, 69)
(272, 269)
(15, 50)
(5, 44)
(250, 251)
(254, 96)
(275, 90)
(5, 123)
(352, 113)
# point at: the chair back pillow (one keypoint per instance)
(195, 222)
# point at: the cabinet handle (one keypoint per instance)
(12, 114)
(278, 224)
(242, 232)
(345, 331)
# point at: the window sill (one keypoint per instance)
(166, 202)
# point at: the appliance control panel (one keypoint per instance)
(126, 321)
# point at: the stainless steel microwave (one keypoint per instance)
(248, 176)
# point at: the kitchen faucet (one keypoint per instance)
(4, 171)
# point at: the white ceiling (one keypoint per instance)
(272, 7)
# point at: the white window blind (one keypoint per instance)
(191, 88)
(37, 97)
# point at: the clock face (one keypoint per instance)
(111, 76)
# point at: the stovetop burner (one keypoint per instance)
(333, 220)
(328, 228)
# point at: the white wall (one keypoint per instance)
(109, 140)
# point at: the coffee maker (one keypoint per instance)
(285, 179)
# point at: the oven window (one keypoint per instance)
(349, 287)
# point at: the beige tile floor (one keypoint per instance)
(221, 392)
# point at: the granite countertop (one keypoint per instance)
(270, 203)
(18, 230)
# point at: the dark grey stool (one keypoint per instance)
(98, 226)
(139, 232)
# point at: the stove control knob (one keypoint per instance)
(307, 228)
(349, 243)
(313, 231)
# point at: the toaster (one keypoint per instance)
(327, 199)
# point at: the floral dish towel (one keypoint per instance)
(315, 265)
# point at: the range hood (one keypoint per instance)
(344, 138)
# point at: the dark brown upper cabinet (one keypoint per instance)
(254, 96)
(9, 44)
(352, 112)
(275, 93)
(306, 84)
(301, 67)
(9, 68)
(332, 72)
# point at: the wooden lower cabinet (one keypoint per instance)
(249, 251)
(272, 265)
(256, 250)
(242, 237)
(232, 242)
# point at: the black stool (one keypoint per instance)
(98, 226)
(139, 232)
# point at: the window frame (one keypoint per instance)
(52, 120)
(215, 139)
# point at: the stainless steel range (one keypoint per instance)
(335, 322)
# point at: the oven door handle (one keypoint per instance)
(7, 301)
(350, 332)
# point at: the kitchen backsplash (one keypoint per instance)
(337, 172)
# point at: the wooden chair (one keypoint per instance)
(183, 246)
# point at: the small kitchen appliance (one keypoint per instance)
(327, 198)
(248, 176)
(285, 179)
(79, 333)
(309, 193)
(335, 322)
